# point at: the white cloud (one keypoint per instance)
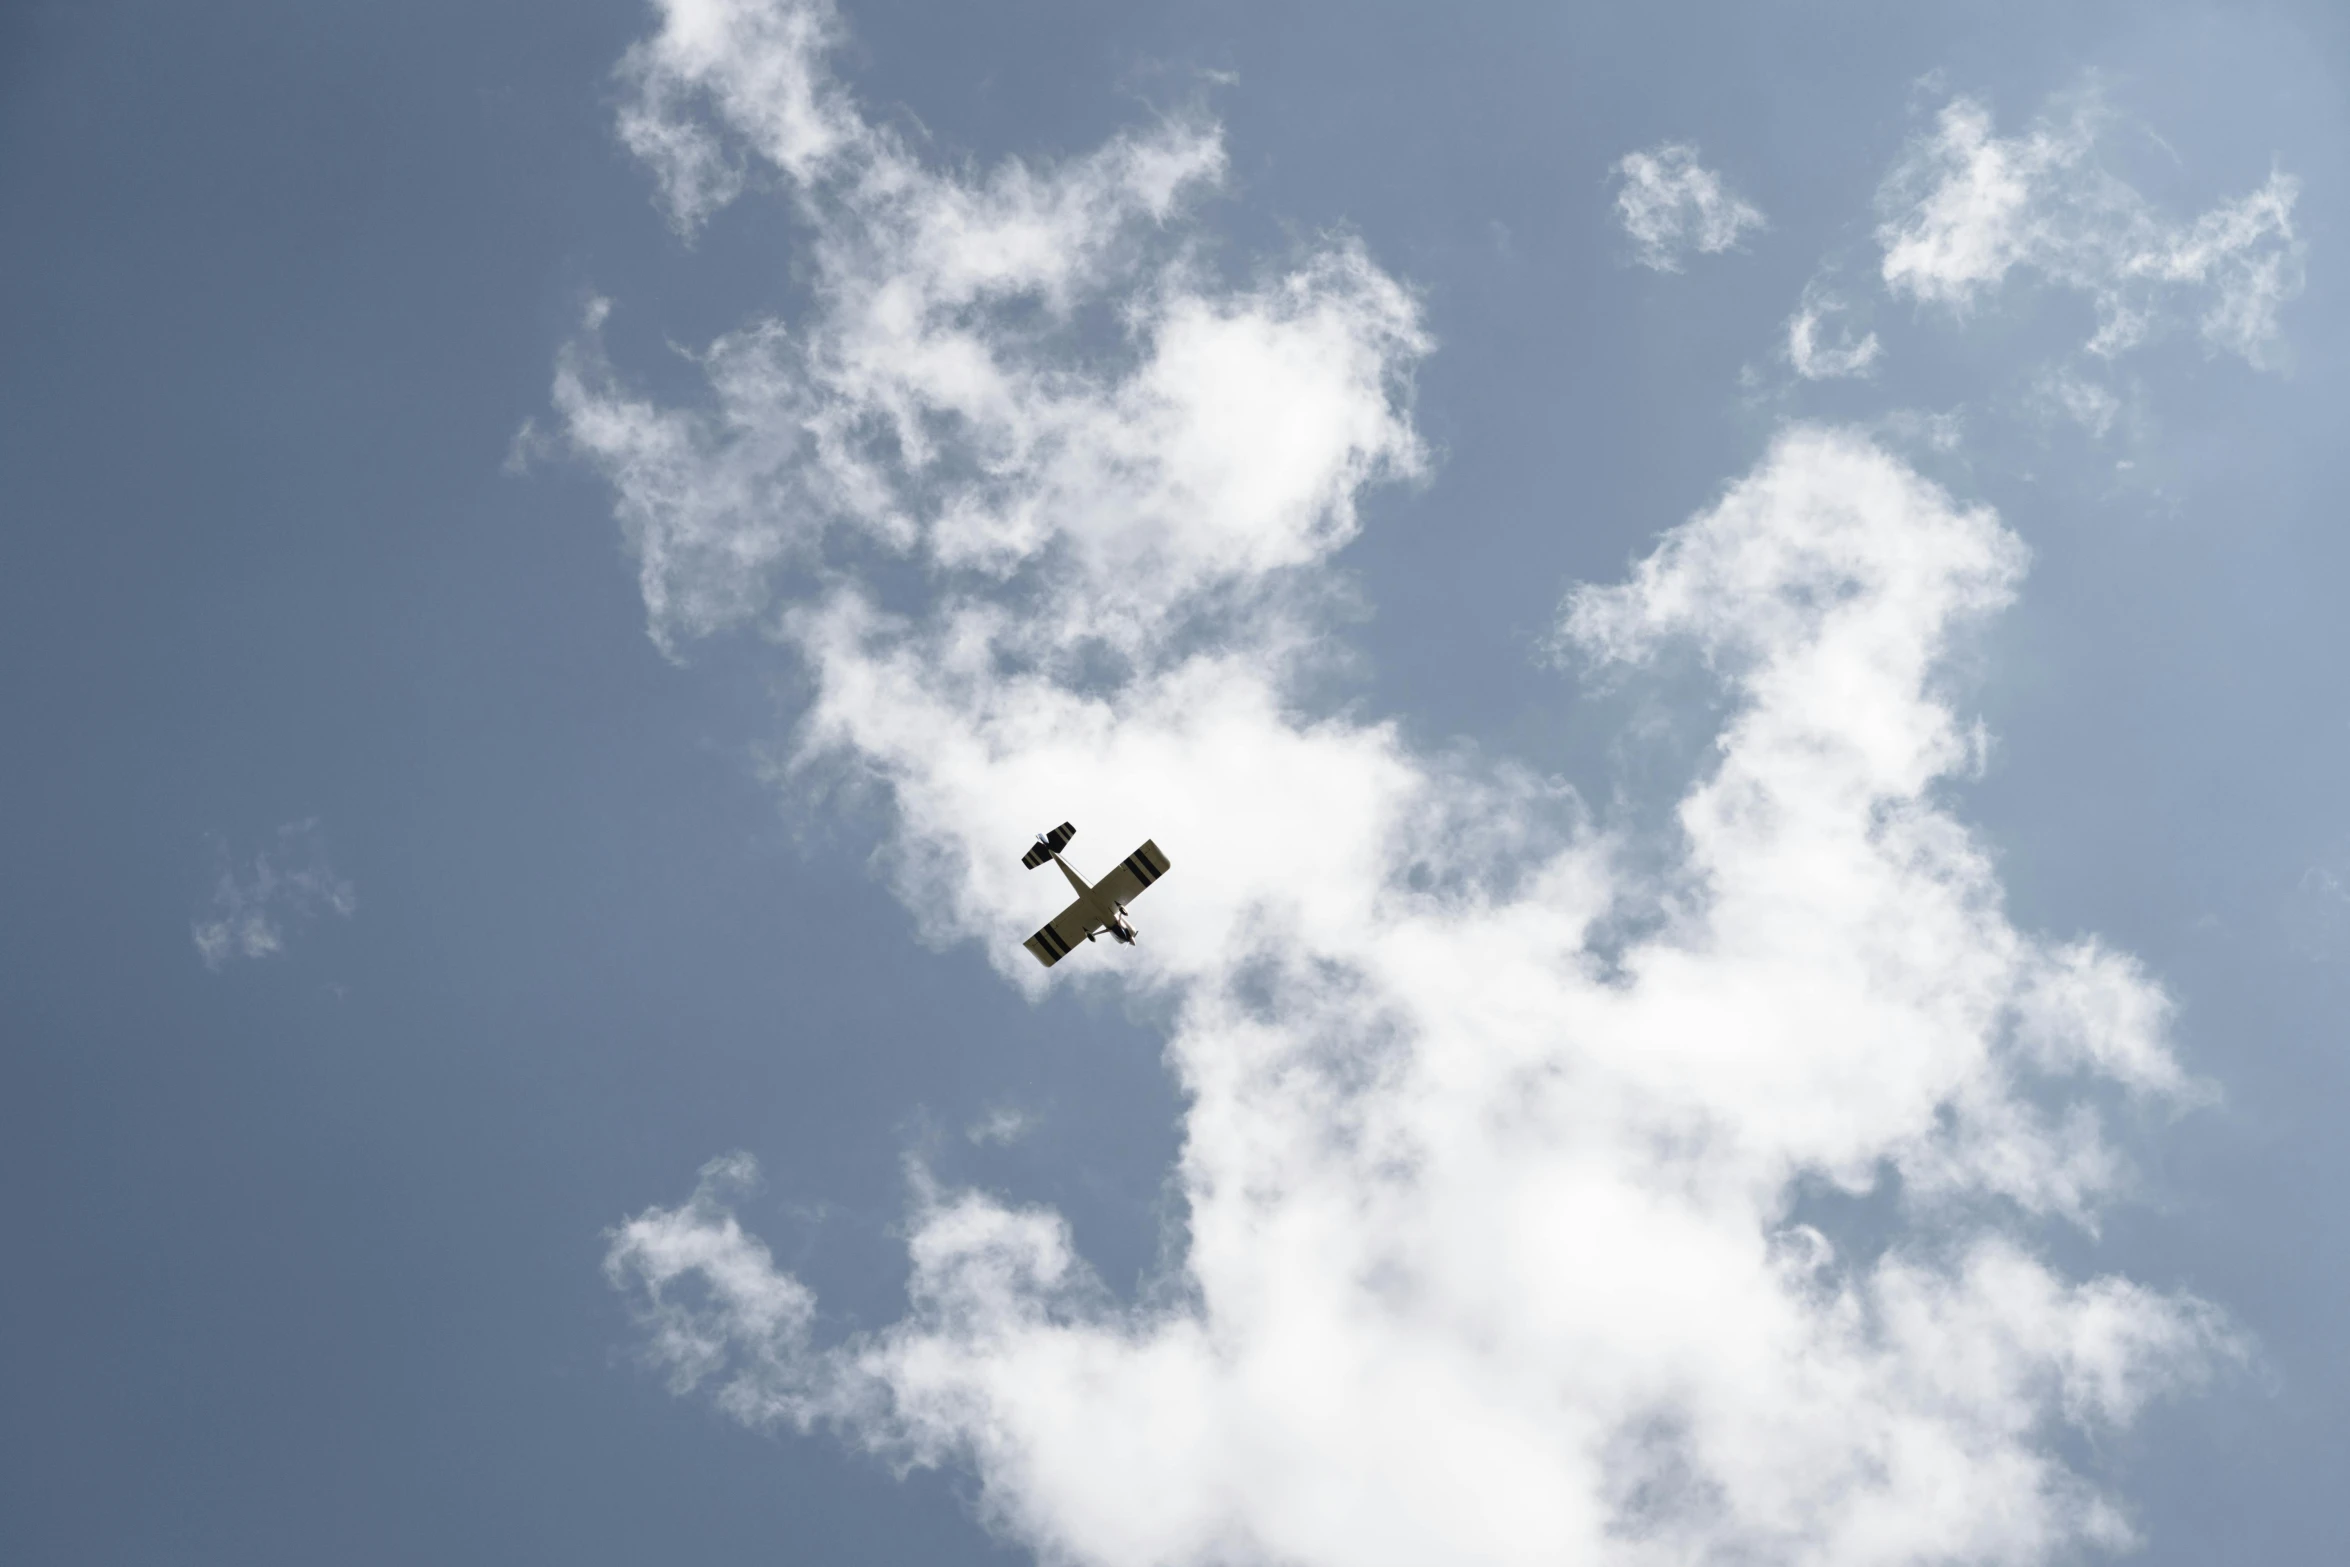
(1212, 436)
(1964, 208)
(1814, 356)
(1497, 1145)
(1670, 203)
(759, 67)
(288, 885)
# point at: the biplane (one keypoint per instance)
(1100, 906)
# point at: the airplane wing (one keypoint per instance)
(1138, 870)
(1067, 928)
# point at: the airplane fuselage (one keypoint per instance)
(1101, 907)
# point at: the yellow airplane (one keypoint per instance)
(1099, 907)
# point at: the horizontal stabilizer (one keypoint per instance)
(1049, 845)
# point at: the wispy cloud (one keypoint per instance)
(2064, 392)
(2317, 911)
(281, 887)
(1819, 354)
(1497, 1137)
(1965, 208)
(1220, 435)
(759, 67)
(1670, 204)
(1002, 1125)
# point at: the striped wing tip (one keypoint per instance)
(1047, 946)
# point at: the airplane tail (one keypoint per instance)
(1049, 845)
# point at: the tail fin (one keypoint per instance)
(1049, 845)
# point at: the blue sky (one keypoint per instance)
(1755, 963)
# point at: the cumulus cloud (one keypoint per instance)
(1508, 1155)
(1670, 204)
(288, 885)
(1964, 209)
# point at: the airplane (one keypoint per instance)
(1099, 907)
